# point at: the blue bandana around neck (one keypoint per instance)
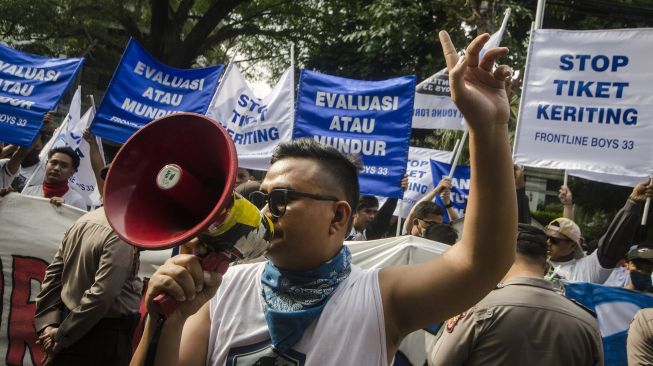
(292, 300)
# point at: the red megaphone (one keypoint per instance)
(172, 181)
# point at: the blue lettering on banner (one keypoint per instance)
(30, 86)
(596, 89)
(460, 182)
(143, 89)
(368, 118)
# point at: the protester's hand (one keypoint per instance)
(478, 90)
(48, 123)
(642, 191)
(404, 183)
(520, 182)
(183, 279)
(46, 339)
(444, 184)
(48, 118)
(57, 201)
(89, 138)
(5, 191)
(565, 196)
(48, 359)
(446, 196)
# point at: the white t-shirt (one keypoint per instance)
(349, 331)
(586, 269)
(5, 177)
(71, 197)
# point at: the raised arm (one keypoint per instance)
(523, 210)
(617, 239)
(446, 199)
(444, 183)
(381, 223)
(96, 160)
(417, 295)
(567, 201)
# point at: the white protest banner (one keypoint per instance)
(32, 230)
(587, 102)
(420, 180)
(255, 125)
(433, 105)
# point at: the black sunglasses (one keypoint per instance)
(278, 198)
(555, 240)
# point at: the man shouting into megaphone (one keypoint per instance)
(308, 305)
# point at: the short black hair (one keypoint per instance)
(531, 242)
(424, 209)
(333, 162)
(68, 151)
(366, 201)
(442, 233)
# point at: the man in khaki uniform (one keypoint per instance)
(523, 321)
(640, 339)
(88, 305)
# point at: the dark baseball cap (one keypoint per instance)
(640, 252)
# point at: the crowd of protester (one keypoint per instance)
(90, 292)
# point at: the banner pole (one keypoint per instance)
(539, 14)
(92, 101)
(566, 177)
(399, 204)
(455, 148)
(647, 207)
(460, 150)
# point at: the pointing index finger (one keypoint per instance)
(450, 55)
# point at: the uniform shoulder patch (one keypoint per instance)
(452, 322)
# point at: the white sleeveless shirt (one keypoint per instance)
(349, 331)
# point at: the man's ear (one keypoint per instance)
(341, 216)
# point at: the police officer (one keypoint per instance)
(640, 338)
(523, 321)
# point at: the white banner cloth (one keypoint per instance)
(420, 179)
(30, 234)
(587, 102)
(255, 125)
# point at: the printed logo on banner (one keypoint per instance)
(256, 126)
(143, 89)
(587, 102)
(368, 118)
(459, 181)
(30, 86)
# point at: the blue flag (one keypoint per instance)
(368, 118)
(30, 86)
(460, 182)
(615, 307)
(143, 89)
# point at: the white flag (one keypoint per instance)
(255, 125)
(83, 181)
(433, 106)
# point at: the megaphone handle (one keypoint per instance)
(213, 262)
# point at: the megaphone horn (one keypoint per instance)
(172, 181)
